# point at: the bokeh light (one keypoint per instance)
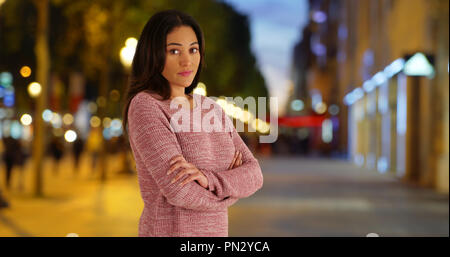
(47, 115)
(56, 120)
(106, 122)
(200, 89)
(320, 108)
(297, 105)
(101, 101)
(95, 121)
(68, 119)
(25, 71)
(34, 89)
(26, 119)
(127, 52)
(114, 95)
(70, 136)
(92, 107)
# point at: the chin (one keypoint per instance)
(186, 84)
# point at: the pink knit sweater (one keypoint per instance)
(189, 210)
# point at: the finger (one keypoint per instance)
(190, 179)
(177, 165)
(238, 158)
(181, 174)
(176, 159)
(232, 162)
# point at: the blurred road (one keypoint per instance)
(300, 197)
(306, 197)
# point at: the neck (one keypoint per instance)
(177, 92)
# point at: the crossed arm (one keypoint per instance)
(156, 145)
(240, 181)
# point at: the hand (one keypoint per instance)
(237, 160)
(188, 169)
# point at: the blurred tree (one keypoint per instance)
(86, 36)
(42, 76)
(94, 32)
(17, 40)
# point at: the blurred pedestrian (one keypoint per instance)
(77, 148)
(56, 149)
(93, 145)
(12, 155)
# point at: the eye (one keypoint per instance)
(194, 50)
(173, 51)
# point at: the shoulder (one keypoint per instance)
(144, 102)
(144, 97)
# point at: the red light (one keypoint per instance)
(301, 121)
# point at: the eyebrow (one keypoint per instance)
(178, 44)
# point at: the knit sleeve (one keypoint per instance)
(239, 182)
(156, 144)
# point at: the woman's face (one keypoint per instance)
(182, 54)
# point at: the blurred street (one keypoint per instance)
(323, 197)
(73, 203)
(300, 197)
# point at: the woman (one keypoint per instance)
(187, 179)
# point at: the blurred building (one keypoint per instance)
(314, 72)
(400, 122)
(384, 63)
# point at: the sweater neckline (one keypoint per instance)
(167, 101)
(196, 105)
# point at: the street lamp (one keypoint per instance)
(34, 89)
(418, 65)
(25, 71)
(70, 136)
(127, 52)
(26, 119)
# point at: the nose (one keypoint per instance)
(185, 59)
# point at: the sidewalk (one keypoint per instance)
(72, 203)
(326, 197)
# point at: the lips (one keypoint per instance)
(185, 73)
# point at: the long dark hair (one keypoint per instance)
(150, 57)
